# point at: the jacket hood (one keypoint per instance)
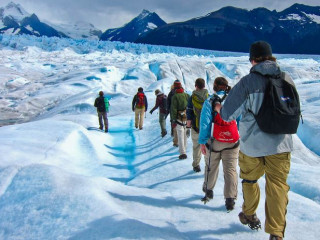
(201, 94)
(267, 68)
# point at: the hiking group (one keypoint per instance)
(250, 125)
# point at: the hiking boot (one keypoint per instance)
(141, 128)
(183, 156)
(175, 145)
(273, 237)
(100, 128)
(197, 169)
(163, 133)
(230, 204)
(251, 220)
(106, 130)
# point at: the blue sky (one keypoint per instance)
(106, 14)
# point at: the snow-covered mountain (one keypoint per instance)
(293, 30)
(15, 20)
(137, 27)
(78, 30)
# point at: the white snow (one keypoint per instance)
(15, 11)
(62, 178)
(314, 18)
(292, 16)
(151, 25)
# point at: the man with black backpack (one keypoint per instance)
(161, 103)
(102, 105)
(139, 107)
(265, 146)
(195, 102)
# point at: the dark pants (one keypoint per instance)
(103, 115)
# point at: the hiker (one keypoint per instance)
(161, 103)
(102, 104)
(219, 142)
(178, 113)
(261, 152)
(195, 102)
(173, 130)
(139, 107)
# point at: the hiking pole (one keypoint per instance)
(205, 199)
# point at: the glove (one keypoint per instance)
(174, 125)
(188, 132)
(151, 112)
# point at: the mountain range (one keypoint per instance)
(293, 30)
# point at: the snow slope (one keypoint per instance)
(62, 178)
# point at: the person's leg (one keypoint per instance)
(136, 117)
(105, 119)
(196, 148)
(162, 121)
(180, 133)
(141, 118)
(211, 170)
(251, 169)
(175, 137)
(277, 170)
(100, 120)
(229, 162)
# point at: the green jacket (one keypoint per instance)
(179, 102)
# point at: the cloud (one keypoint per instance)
(105, 14)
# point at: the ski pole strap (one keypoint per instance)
(249, 181)
(233, 147)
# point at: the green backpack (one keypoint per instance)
(197, 102)
(106, 102)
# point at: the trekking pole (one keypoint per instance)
(205, 199)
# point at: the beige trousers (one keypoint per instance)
(229, 162)
(196, 148)
(182, 138)
(276, 169)
(139, 115)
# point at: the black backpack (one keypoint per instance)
(280, 110)
(101, 105)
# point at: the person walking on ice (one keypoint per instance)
(219, 140)
(161, 103)
(102, 104)
(270, 108)
(139, 107)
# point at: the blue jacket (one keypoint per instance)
(206, 119)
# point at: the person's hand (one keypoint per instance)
(188, 123)
(203, 149)
(151, 112)
(217, 107)
(174, 125)
(188, 132)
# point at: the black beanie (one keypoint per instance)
(260, 49)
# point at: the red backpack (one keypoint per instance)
(225, 131)
(140, 100)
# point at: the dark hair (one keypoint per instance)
(200, 83)
(101, 93)
(140, 89)
(220, 83)
(262, 59)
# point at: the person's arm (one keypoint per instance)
(156, 105)
(95, 103)
(234, 105)
(174, 111)
(134, 102)
(190, 113)
(205, 123)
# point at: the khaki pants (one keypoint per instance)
(229, 162)
(182, 138)
(139, 115)
(175, 136)
(103, 118)
(276, 169)
(196, 148)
